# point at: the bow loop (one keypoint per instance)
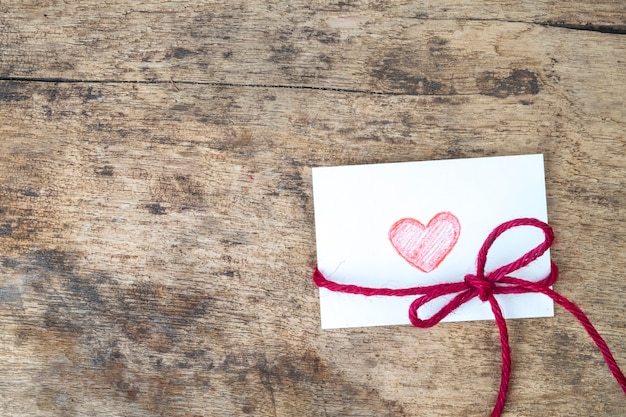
(522, 261)
(461, 298)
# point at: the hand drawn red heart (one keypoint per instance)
(425, 247)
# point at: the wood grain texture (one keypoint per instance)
(350, 45)
(157, 237)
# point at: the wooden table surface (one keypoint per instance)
(156, 214)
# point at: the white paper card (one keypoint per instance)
(365, 214)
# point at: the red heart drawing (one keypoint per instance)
(425, 247)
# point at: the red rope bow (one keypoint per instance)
(485, 286)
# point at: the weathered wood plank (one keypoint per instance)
(413, 48)
(157, 245)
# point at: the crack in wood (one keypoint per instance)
(55, 80)
(587, 27)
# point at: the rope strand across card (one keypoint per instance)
(485, 286)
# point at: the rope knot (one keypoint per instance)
(484, 287)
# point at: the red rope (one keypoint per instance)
(485, 286)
